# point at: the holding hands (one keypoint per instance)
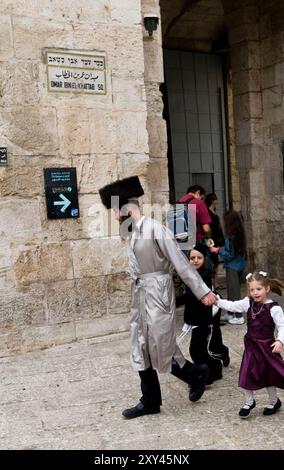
(277, 346)
(209, 299)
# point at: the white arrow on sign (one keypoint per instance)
(64, 203)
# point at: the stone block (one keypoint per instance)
(46, 336)
(272, 97)
(155, 105)
(244, 32)
(20, 178)
(270, 77)
(128, 94)
(118, 132)
(78, 300)
(99, 256)
(83, 12)
(123, 45)
(270, 52)
(19, 83)
(20, 7)
(125, 12)
(33, 34)
(157, 130)
(257, 191)
(23, 176)
(24, 308)
(249, 132)
(274, 184)
(6, 39)
(158, 174)
(245, 55)
(278, 75)
(73, 132)
(132, 136)
(20, 222)
(248, 105)
(102, 326)
(6, 266)
(30, 130)
(42, 263)
(103, 138)
(243, 16)
(264, 26)
(95, 170)
(154, 70)
(250, 156)
(118, 293)
(132, 164)
(277, 17)
(277, 130)
(246, 81)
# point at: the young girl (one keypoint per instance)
(206, 346)
(234, 256)
(262, 365)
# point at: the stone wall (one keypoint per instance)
(256, 40)
(157, 174)
(64, 279)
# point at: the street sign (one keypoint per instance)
(3, 156)
(61, 193)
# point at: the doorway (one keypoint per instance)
(196, 123)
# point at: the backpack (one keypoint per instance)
(178, 220)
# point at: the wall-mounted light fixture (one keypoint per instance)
(151, 22)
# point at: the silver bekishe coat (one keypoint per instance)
(153, 253)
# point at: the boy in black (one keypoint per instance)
(206, 345)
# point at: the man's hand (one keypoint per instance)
(209, 299)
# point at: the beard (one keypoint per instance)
(125, 226)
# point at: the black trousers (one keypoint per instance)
(205, 348)
(150, 385)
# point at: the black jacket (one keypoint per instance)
(195, 312)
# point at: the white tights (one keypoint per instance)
(249, 397)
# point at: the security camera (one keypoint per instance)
(151, 21)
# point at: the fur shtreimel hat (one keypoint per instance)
(125, 189)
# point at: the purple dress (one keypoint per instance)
(260, 367)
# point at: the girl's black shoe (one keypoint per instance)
(271, 411)
(244, 412)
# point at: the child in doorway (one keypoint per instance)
(234, 255)
(206, 346)
(262, 365)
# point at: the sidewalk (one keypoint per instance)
(71, 397)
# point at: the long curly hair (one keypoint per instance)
(234, 229)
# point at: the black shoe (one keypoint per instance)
(225, 356)
(140, 410)
(244, 412)
(199, 384)
(271, 411)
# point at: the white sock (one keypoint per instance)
(272, 397)
(249, 398)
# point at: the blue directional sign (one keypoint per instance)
(61, 193)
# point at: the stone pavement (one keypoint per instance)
(71, 397)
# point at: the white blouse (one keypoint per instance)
(242, 306)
